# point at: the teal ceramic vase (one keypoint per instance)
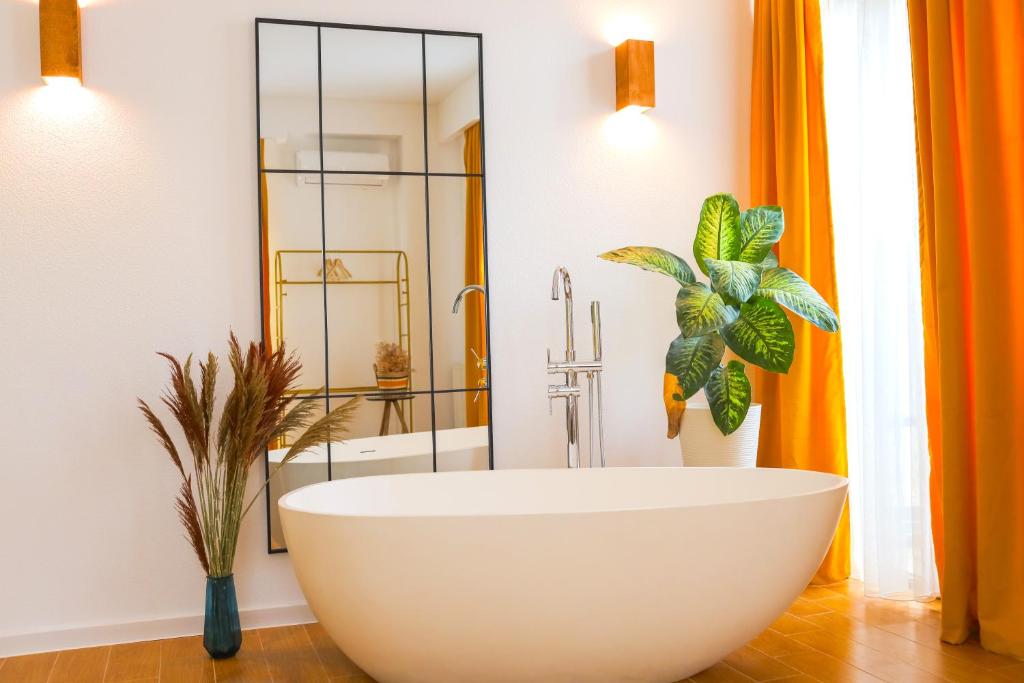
(222, 633)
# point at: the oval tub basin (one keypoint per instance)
(620, 574)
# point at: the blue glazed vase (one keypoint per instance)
(222, 633)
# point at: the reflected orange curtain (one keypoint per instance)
(269, 342)
(968, 65)
(476, 324)
(265, 249)
(803, 414)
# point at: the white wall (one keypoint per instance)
(128, 224)
(460, 109)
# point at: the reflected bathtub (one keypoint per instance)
(462, 448)
(624, 574)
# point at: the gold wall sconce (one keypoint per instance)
(634, 75)
(60, 42)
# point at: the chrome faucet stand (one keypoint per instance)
(481, 361)
(572, 369)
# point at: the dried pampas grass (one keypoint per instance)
(212, 506)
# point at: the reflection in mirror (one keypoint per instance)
(453, 99)
(373, 101)
(360, 276)
(391, 433)
(462, 439)
(307, 468)
(294, 306)
(457, 262)
(376, 238)
(288, 101)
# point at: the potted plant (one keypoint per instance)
(738, 311)
(212, 506)
(392, 367)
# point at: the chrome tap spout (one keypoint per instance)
(562, 274)
(462, 293)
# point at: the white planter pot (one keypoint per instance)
(704, 446)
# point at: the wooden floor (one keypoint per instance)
(829, 634)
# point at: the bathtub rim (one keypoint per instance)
(839, 482)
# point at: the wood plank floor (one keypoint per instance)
(830, 633)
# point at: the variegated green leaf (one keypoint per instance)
(760, 228)
(735, 279)
(699, 310)
(653, 259)
(718, 232)
(785, 287)
(692, 359)
(728, 393)
(762, 335)
(771, 260)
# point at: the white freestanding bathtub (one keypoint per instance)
(624, 574)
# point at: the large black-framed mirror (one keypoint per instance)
(373, 256)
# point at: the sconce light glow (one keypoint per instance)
(60, 42)
(622, 28)
(62, 81)
(63, 106)
(629, 129)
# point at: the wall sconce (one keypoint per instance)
(634, 75)
(60, 42)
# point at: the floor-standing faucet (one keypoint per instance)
(570, 389)
(481, 361)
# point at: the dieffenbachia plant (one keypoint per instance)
(740, 309)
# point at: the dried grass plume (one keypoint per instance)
(211, 505)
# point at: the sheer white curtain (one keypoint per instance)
(872, 167)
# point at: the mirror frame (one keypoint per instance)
(426, 174)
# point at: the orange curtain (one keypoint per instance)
(968, 64)
(476, 324)
(265, 249)
(803, 414)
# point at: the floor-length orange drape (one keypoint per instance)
(803, 418)
(968, 63)
(265, 249)
(476, 324)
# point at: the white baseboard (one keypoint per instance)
(132, 632)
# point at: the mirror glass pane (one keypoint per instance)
(457, 261)
(307, 468)
(364, 257)
(294, 305)
(373, 100)
(289, 105)
(453, 103)
(462, 432)
(378, 322)
(391, 434)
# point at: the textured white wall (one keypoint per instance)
(128, 224)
